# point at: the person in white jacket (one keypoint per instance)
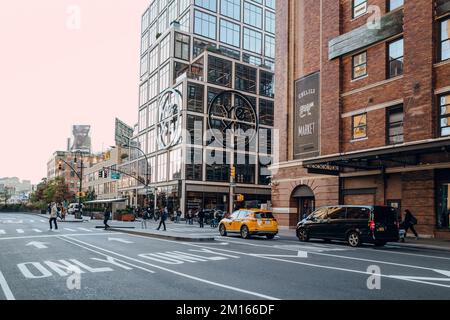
(53, 216)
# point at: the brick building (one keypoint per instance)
(363, 102)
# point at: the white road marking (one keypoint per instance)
(42, 220)
(55, 235)
(31, 221)
(20, 231)
(2, 231)
(68, 229)
(120, 240)
(85, 229)
(37, 230)
(179, 273)
(5, 287)
(37, 244)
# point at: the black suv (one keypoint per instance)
(354, 224)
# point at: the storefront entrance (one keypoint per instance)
(305, 201)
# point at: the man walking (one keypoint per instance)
(409, 223)
(201, 216)
(53, 216)
(164, 215)
(107, 216)
(178, 215)
(145, 216)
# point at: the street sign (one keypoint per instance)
(115, 175)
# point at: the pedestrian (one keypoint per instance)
(63, 213)
(49, 208)
(164, 214)
(53, 216)
(187, 215)
(107, 216)
(409, 223)
(59, 211)
(191, 218)
(178, 215)
(145, 216)
(201, 216)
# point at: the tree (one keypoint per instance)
(90, 195)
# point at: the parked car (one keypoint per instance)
(248, 222)
(354, 224)
(73, 207)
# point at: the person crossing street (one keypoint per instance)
(107, 216)
(164, 216)
(53, 216)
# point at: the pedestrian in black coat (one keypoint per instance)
(164, 216)
(107, 216)
(409, 223)
(201, 216)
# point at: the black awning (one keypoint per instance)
(377, 159)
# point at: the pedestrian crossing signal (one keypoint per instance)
(240, 197)
(100, 174)
(233, 172)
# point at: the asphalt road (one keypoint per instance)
(81, 262)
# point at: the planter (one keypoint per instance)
(127, 217)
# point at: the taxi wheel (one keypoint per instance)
(245, 234)
(270, 236)
(222, 230)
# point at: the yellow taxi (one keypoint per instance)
(248, 222)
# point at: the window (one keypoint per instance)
(162, 22)
(230, 33)
(395, 58)
(165, 49)
(173, 14)
(359, 125)
(359, 8)
(264, 172)
(270, 22)
(253, 15)
(195, 128)
(144, 64)
(269, 49)
(151, 141)
(336, 213)
(200, 46)
(164, 77)
(195, 97)
(252, 40)
(394, 4)
(153, 86)
(142, 119)
(152, 113)
(175, 164)
(359, 63)
(266, 112)
(162, 168)
(395, 125)
(358, 213)
(143, 94)
(245, 78)
(266, 84)
(144, 43)
(217, 167)
(194, 164)
(153, 11)
(251, 59)
(207, 4)
(265, 140)
(445, 114)
(184, 4)
(231, 8)
(152, 34)
(205, 24)
(445, 40)
(270, 4)
(184, 22)
(245, 168)
(145, 21)
(182, 46)
(219, 71)
(179, 69)
(153, 65)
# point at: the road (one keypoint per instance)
(82, 262)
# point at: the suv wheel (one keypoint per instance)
(302, 235)
(354, 239)
(222, 230)
(245, 234)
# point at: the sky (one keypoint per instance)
(64, 62)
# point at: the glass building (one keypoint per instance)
(206, 104)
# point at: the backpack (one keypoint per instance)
(413, 220)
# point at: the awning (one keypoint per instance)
(303, 192)
(377, 159)
(106, 201)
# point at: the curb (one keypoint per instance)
(166, 236)
(420, 246)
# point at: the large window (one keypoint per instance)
(144, 43)
(359, 65)
(184, 4)
(153, 11)
(265, 140)
(143, 94)
(359, 8)
(270, 22)
(270, 3)
(252, 40)
(359, 126)
(164, 77)
(445, 114)
(217, 166)
(162, 22)
(194, 164)
(173, 14)
(256, 61)
(266, 84)
(195, 97)
(253, 15)
(142, 119)
(165, 49)
(205, 25)
(445, 40)
(162, 168)
(153, 65)
(269, 47)
(195, 128)
(231, 8)
(152, 113)
(394, 4)
(264, 172)
(153, 86)
(151, 141)
(185, 22)
(182, 46)
(175, 164)
(207, 4)
(266, 112)
(145, 21)
(395, 125)
(245, 168)
(144, 64)
(395, 62)
(245, 78)
(152, 33)
(219, 71)
(230, 33)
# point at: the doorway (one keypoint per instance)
(305, 201)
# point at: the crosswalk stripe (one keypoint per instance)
(68, 229)
(84, 229)
(2, 232)
(31, 221)
(19, 230)
(37, 230)
(42, 220)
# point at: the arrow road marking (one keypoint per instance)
(120, 240)
(37, 244)
(444, 272)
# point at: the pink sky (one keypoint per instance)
(52, 77)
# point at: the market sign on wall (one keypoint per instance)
(307, 117)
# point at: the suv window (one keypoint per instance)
(336, 213)
(320, 213)
(387, 215)
(358, 213)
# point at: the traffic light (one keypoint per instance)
(100, 174)
(233, 172)
(240, 197)
(60, 165)
(105, 174)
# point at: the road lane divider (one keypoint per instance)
(5, 288)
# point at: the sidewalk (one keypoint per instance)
(410, 242)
